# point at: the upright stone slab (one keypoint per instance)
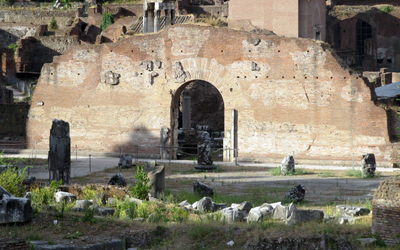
(60, 152)
(156, 175)
(204, 153)
(287, 164)
(368, 164)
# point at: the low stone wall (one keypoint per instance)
(14, 244)
(13, 119)
(386, 210)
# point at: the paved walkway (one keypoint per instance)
(82, 166)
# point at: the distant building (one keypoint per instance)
(291, 18)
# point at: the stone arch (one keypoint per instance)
(208, 70)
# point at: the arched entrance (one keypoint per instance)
(196, 106)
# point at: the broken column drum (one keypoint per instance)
(60, 152)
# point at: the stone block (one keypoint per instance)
(301, 216)
(351, 211)
(105, 211)
(64, 196)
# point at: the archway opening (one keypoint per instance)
(196, 107)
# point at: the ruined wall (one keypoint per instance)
(11, 32)
(13, 119)
(386, 210)
(287, 17)
(289, 94)
(312, 18)
(37, 17)
(33, 52)
(385, 41)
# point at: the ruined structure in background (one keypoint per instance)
(152, 14)
(299, 18)
(386, 209)
(365, 36)
(60, 152)
(297, 98)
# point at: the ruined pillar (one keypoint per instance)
(186, 112)
(157, 17)
(172, 17)
(145, 21)
(167, 17)
(150, 21)
(60, 152)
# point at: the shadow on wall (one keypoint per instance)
(142, 141)
(6, 38)
(32, 54)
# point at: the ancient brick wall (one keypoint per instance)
(385, 38)
(289, 94)
(13, 119)
(386, 210)
(33, 52)
(37, 17)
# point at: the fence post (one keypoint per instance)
(90, 163)
(137, 154)
(35, 149)
(76, 153)
(353, 159)
(236, 156)
(169, 153)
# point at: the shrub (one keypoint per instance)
(141, 189)
(53, 24)
(143, 210)
(387, 9)
(106, 21)
(11, 179)
(13, 46)
(88, 215)
(45, 196)
(125, 209)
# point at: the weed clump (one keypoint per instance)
(142, 188)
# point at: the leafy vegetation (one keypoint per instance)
(358, 174)
(45, 195)
(141, 189)
(13, 46)
(106, 21)
(387, 9)
(53, 24)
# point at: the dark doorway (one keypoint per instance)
(363, 32)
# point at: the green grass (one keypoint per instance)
(327, 174)
(359, 175)
(387, 9)
(298, 171)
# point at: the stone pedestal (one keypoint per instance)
(287, 164)
(60, 152)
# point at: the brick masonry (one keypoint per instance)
(300, 100)
(386, 211)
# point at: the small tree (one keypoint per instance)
(141, 189)
(106, 21)
(53, 24)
